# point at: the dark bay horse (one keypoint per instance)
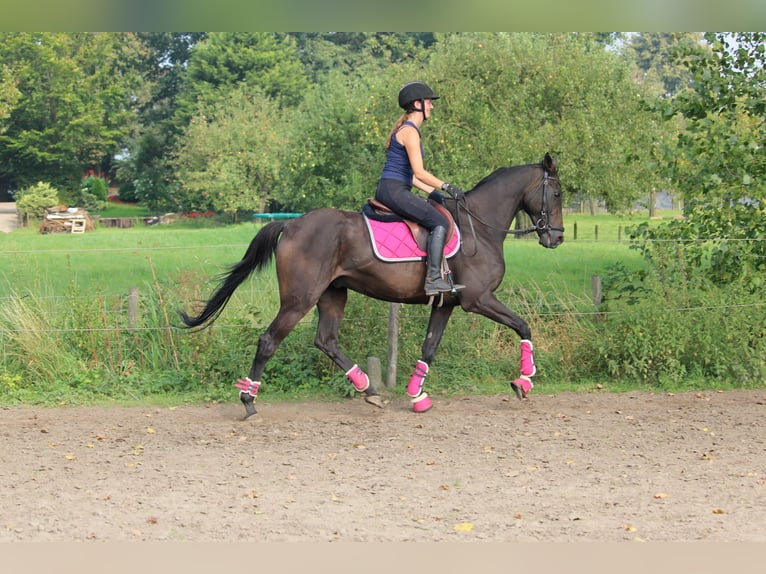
(326, 252)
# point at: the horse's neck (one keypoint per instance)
(500, 202)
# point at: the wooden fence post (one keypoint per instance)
(393, 344)
(132, 307)
(374, 371)
(598, 296)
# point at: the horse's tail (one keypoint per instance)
(258, 255)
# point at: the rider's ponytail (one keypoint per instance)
(395, 129)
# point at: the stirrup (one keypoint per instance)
(441, 286)
(437, 287)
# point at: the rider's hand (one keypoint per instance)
(455, 192)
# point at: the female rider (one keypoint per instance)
(404, 169)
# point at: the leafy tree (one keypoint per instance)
(92, 194)
(144, 166)
(509, 98)
(223, 60)
(660, 60)
(227, 160)
(350, 52)
(719, 162)
(9, 94)
(336, 143)
(76, 92)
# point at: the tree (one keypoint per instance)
(144, 165)
(9, 94)
(660, 61)
(227, 160)
(76, 92)
(351, 52)
(336, 145)
(223, 60)
(719, 161)
(509, 98)
(33, 201)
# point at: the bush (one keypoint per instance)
(670, 334)
(128, 193)
(92, 194)
(33, 201)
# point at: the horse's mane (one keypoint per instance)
(500, 171)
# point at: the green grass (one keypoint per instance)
(111, 261)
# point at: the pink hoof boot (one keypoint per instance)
(527, 365)
(421, 403)
(358, 378)
(522, 386)
(415, 386)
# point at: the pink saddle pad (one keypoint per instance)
(392, 241)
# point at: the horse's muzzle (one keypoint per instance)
(552, 239)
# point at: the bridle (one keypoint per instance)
(542, 225)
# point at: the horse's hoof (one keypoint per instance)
(375, 400)
(249, 403)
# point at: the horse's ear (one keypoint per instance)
(550, 163)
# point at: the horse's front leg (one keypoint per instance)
(437, 323)
(331, 307)
(492, 308)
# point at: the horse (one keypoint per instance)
(325, 252)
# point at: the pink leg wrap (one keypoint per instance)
(358, 378)
(415, 386)
(421, 403)
(247, 386)
(527, 359)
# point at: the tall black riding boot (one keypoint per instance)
(435, 283)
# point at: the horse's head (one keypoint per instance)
(543, 203)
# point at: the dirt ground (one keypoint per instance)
(554, 468)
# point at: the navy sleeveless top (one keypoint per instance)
(397, 164)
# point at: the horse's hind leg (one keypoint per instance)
(268, 343)
(331, 307)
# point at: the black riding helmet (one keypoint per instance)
(413, 92)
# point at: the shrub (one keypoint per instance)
(671, 333)
(33, 201)
(92, 194)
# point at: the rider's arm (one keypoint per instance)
(422, 179)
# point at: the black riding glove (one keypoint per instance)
(453, 191)
(436, 197)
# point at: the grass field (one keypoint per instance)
(112, 261)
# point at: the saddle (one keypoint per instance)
(397, 239)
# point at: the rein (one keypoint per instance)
(542, 225)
